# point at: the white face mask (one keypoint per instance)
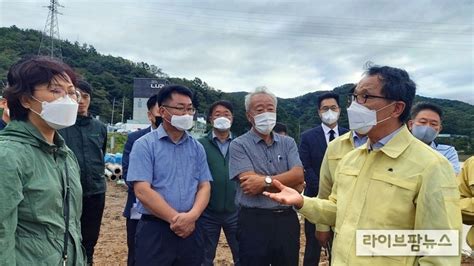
(182, 122)
(424, 133)
(222, 123)
(59, 113)
(362, 119)
(329, 117)
(265, 122)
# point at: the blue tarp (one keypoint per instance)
(113, 158)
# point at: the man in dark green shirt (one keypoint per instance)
(88, 140)
(221, 211)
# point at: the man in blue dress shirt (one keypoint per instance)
(170, 175)
(130, 212)
(425, 125)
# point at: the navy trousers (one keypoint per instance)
(212, 223)
(268, 237)
(131, 229)
(157, 244)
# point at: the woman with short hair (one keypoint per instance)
(40, 191)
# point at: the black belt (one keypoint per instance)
(287, 210)
(149, 217)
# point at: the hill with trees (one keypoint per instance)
(112, 78)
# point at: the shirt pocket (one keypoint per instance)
(393, 200)
(345, 182)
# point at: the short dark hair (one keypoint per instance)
(167, 90)
(397, 86)
(213, 106)
(328, 95)
(152, 101)
(26, 74)
(426, 106)
(280, 127)
(84, 86)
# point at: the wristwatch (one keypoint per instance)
(268, 181)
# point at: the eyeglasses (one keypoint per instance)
(182, 110)
(362, 98)
(60, 92)
(334, 108)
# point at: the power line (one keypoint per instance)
(50, 40)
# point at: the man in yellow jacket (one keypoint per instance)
(466, 187)
(393, 182)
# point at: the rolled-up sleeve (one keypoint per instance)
(140, 167)
(239, 160)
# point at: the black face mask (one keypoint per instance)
(158, 121)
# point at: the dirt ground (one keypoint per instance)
(111, 248)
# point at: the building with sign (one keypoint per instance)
(144, 88)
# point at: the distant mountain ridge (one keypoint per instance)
(112, 77)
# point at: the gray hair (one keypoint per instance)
(259, 90)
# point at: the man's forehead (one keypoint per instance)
(428, 115)
(178, 98)
(82, 91)
(220, 108)
(262, 98)
(328, 102)
(369, 84)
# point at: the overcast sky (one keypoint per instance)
(292, 47)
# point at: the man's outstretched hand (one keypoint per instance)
(286, 195)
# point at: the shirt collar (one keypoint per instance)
(214, 136)
(396, 142)
(358, 137)
(256, 138)
(355, 139)
(326, 129)
(161, 132)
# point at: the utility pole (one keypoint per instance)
(113, 109)
(51, 31)
(123, 107)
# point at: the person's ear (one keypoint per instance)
(249, 117)
(162, 111)
(25, 101)
(150, 116)
(399, 108)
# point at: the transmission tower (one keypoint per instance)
(50, 41)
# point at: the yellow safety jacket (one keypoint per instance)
(404, 185)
